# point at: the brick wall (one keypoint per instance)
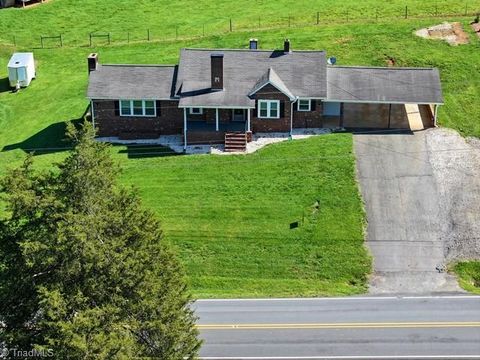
(308, 119)
(269, 92)
(108, 123)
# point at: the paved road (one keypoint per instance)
(405, 222)
(341, 328)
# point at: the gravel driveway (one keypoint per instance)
(422, 196)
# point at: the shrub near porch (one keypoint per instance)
(230, 216)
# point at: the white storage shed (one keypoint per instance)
(21, 69)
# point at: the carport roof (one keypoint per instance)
(384, 85)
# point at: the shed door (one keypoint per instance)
(21, 74)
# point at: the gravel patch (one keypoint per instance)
(456, 166)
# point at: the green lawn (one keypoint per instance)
(468, 273)
(229, 216)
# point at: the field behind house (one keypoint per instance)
(229, 216)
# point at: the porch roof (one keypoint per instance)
(384, 85)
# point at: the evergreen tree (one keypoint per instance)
(84, 270)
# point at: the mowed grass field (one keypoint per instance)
(125, 19)
(229, 217)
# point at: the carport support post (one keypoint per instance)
(389, 114)
(184, 129)
(216, 120)
(435, 112)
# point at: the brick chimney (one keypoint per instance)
(92, 62)
(286, 46)
(253, 44)
(217, 71)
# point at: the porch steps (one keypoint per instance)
(235, 142)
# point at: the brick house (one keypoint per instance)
(212, 96)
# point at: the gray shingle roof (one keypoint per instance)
(131, 82)
(377, 84)
(302, 72)
(271, 77)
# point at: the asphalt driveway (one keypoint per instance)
(405, 212)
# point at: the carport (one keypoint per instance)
(382, 98)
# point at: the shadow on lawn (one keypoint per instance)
(49, 140)
(5, 85)
(137, 151)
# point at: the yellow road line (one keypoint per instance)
(339, 325)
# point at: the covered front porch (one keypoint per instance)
(210, 125)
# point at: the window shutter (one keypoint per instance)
(117, 108)
(159, 108)
(282, 109)
(313, 105)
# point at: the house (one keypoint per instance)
(215, 94)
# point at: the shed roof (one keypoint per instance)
(132, 82)
(20, 60)
(303, 74)
(384, 85)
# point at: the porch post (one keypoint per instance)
(435, 111)
(216, 120)
(184, 128)
(248, 120)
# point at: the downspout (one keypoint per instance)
(291, 116)
(92, 114)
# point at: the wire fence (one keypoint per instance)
(221, 26)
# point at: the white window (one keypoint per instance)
(138, 108)
(269, 109)
(196, 111)
(304, 105)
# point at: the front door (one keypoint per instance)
(239, 115)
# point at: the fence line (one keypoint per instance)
(230, 25)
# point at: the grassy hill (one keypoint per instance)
(229, 216)
(171, 19)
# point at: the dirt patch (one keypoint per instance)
(452, 33)
(476, 28)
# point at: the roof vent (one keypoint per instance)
(253, 44)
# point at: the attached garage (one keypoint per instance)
(379, 97)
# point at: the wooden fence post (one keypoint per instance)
(41, 40)
(231, 26)
(61, 40)
(148, 34)
(406, 12)
(128, 37)
(90, 39)
(318, 17)
(176, 32)
(14, 40)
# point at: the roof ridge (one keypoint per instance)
(138, 65)
(252, 50)
(380, 67)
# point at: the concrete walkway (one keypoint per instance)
(405, 221)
